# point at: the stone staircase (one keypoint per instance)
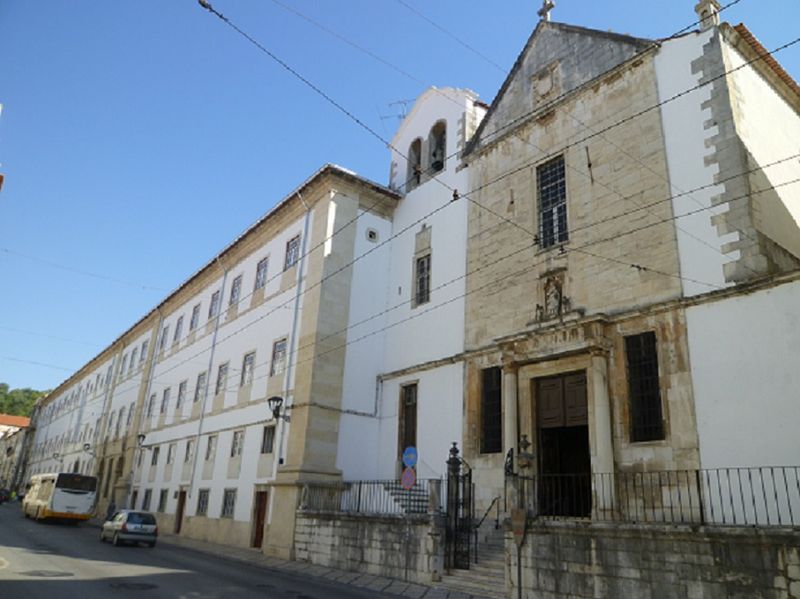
(414, 501)
(487, 578)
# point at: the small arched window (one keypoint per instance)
(414, 164)
(437, 146)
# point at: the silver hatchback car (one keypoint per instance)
(130, 526)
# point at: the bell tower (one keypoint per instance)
(708, 13)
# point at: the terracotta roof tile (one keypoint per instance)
(19, 421)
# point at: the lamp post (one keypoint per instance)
(275, 402)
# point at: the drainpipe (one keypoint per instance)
(208, 377)
(283, 433)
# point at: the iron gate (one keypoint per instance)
(459, 512)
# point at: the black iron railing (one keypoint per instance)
(377, 497)
(762, 496)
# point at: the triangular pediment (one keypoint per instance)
(557, 59)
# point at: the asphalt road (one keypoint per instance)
(62, 561)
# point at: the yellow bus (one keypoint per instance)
(64, 495)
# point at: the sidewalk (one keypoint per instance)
(254, 557)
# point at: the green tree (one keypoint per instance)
(18, 402)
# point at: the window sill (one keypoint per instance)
(561, 247)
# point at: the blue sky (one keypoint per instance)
(138, 138)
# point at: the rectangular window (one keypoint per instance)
(201, 386)
(202, 502)
(211, 447)
(171, 448)
(292, 252)
(261, 273)
(491, 411)
(151, 404)
(423, 280)
(236, 443)
(408, 416)
(122, 366)
(132, 365)
(236, 291)
(162, 500)
(268, 439)
(222, 378)
(165, 400)
(178, 329)
(162, 343)
(134, 497)
(278, 358)
(189, 451)
(181, 395)
(130, 416)
(154, 458)
(645, 393)
(551, 188)
(143, 355)
(195, 319)
(228, 503)
(213, 307)
(248, 363)
(146, 500)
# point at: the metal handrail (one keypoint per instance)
(478, 525)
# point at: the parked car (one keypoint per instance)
(130, 526)
(5, 495)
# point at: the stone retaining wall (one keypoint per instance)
(391, 546)
(567, 559)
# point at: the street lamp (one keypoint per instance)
(275, 402)
(140, 439)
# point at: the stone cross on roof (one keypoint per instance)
(547, 6)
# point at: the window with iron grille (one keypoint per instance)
(202, 502)
(491, 411)
(292, 252)
(644, 392)
(213, 307)
(228, 503)
(195, 319)
(236, 291)
(201, 385)
(222, 378)
(551, 189)
(268, 439)
(423, 280)
(178, 329)
(165, 400)
(261, 273)
(146, 500)
(236, 443)
(247, 368)
(278, 357)
(162, 500)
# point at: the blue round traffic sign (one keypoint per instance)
(410, 457)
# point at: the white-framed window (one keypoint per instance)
(171, 449)
(213, 307)
(261, 273)
(151, 404)
(236, 291)
(162, 343)
(165, 400)
(211, 447)
(423, 280)
(292, 252)
(222, 378)
(154, 459)
(132, 365)
(228, 503)
(130, 415)
(248, 363)
(143, 354)
(122, 365)
(200, 388)
(202, 502)
(236, 443)
(178, 329)
(189, 451)
(148, 494)
(195, 319)
(278, 363)
(181, 395)
(268, 439)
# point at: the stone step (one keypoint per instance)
(479, 586)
